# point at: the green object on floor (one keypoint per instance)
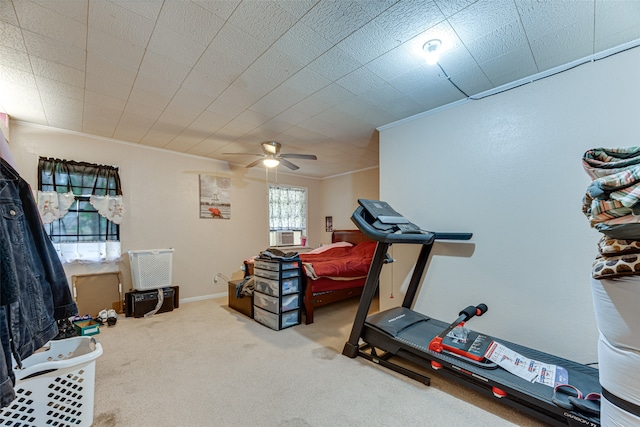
(87, 327)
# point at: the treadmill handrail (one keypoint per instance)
(416, 237)
(452, 236)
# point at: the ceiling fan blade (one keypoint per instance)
(242, 154)
(299, 156)
(250, 165)
(288, 164)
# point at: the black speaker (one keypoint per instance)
(139, 303)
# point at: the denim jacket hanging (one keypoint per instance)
(34, 291)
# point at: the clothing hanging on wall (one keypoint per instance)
(34, 292)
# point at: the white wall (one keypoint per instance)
(161, 195)
(340, 196)
(161, 200)
(508, 168)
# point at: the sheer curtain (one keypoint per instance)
(82, 205)
(287, 208)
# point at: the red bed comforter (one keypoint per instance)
(353, 261)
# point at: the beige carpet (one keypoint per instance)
(207, 365)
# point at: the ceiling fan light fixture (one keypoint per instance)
(432, 50)
(271, 156)
(270, 162)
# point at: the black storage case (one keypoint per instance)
(139, 303)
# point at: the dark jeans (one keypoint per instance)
(34, 291)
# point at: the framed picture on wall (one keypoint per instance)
(328, 223)
(215, 197)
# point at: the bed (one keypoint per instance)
(337, 271)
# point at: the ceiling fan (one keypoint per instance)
(271, 156)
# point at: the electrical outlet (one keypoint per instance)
(221, 276)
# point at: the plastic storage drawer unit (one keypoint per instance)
(277, 299)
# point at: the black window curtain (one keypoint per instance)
(81, 178)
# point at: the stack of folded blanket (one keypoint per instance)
(616, 258)
(612, 204)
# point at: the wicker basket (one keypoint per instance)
(55, 387)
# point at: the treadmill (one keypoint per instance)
(393, 337)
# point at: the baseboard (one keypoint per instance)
(203, 297)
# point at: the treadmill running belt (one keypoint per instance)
(414, 337)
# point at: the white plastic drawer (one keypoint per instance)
(290, 318)
(290, 273)
(275, 275)
(290, 302)
(272, 287)
(276, 321)
(273, 304)
(267, 302)
(276, 265)
(290, 285)
(267, 274)
(267, 286)
(266, 318)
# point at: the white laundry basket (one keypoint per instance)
(55, 387)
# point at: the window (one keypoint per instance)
(287, 215)
(81, 207)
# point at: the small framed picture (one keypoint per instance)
(328, 223)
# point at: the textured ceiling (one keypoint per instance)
(210, 77)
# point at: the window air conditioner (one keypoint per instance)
(284, 238)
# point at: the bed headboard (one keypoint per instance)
(351, 236)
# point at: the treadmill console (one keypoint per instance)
(382, 217)
(380, 222)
